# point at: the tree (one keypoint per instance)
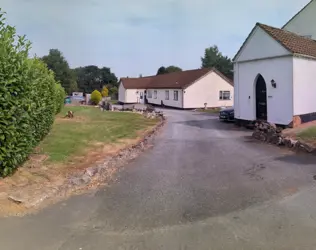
(114, 92)
(169, 69)
(161, 70)
(96, 97)
(214, 58)
(105, 92)
(172, 68)
(92, 77)
(58, 64)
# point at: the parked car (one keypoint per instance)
(227, 114)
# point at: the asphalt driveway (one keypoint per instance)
(204, 185)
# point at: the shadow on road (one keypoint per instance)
(298, 158)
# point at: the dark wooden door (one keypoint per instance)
(261, 98)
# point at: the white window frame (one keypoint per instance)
(155, 94)
(175, 95)
(167, 94)
(149, 94)
(224, 95)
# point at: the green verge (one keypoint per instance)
(71, 137)
(308, 134)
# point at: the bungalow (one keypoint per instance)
(275, 72)
(186, 89)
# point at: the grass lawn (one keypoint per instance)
(214, 110)
(308, 134)
(113, 101)
(90, 127)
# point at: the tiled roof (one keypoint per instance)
(175, 80)
(136, 83)
(294, 43)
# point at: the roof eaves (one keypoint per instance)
(244, 43)
(273, 36)
(304, 56)
(231, 82)
(297, 14)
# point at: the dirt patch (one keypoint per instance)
(36, 184)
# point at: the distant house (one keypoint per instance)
(186, 89)
(274, 77)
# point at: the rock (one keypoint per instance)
(76, 181)
(17, 199)
(92, 171)
(86, 179)
(306, 147)
(289, 142)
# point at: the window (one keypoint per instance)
(224, 95)
(175, 95)
(167, 94)
(149, 94)
(155, 94)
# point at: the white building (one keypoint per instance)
(303, 23)
(186, 89)
(275, 76)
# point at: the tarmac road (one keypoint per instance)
(204, 185)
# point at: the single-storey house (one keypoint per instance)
(274, 76)
(185, 89)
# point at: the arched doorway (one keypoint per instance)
(261, 98)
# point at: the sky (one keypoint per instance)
(137, 37)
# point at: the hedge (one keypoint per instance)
(28, 99)
(60, 97)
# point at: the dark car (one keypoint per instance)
(227, 114)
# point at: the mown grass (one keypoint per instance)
(308, 134)
(70, 137)
(213, 110)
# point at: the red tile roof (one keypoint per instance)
(294, 43)
(175, 80)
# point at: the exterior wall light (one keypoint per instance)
(273, 83)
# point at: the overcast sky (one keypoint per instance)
(137, 37)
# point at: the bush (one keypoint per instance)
(27, 99)
(96, 97)
(105, 92)
(59, 97)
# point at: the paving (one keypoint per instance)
(204, 185)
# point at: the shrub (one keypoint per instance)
(27, 99)
(96, 97)
(59, 97)
(105, 92)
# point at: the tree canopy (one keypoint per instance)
(214, 58)
(92, 78)
(58, 64)
(173, 68)
(169, 69)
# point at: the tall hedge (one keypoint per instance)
(27, 99)
(59, 98)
